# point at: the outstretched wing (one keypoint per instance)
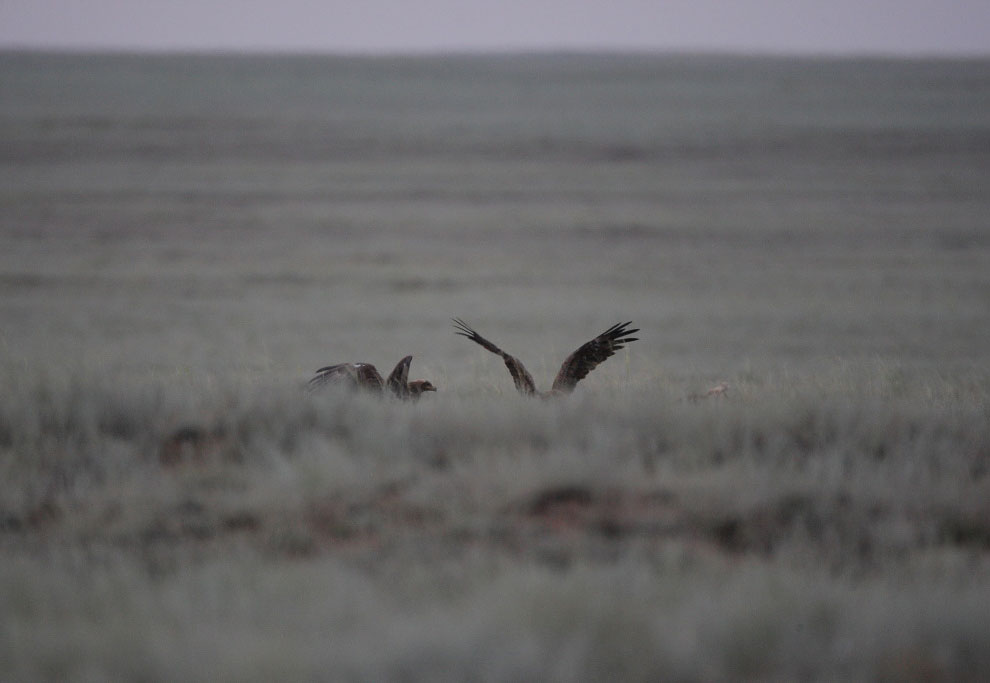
(341, 373)
(522, 379)
(352, 375)
(368, 377)
(585, 359)
(398, 381)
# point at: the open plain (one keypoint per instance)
(185, 239)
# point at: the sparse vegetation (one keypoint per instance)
(774, 533)
(175, 506)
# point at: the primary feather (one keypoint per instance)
(576, 366)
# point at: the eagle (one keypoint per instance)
(575, 368)
(364, 376)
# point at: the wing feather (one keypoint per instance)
(398, 381)
(520, 376)
(353, 375)
(342, 373)
(368, 377)
(577, 365)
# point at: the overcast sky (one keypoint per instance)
(949, 27)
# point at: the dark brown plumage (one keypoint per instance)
(365, 376)
(574, 368)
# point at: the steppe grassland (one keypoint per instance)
(175, 506)
(781, 531)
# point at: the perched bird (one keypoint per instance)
(575, 368)
(365, 376)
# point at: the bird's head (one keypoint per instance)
(418, 386)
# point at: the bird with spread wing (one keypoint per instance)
(365, 376)
(575, 367)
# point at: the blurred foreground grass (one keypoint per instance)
(823, 525)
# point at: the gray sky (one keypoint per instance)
(809, 26)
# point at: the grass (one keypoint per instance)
(788, 530)
(174, 505)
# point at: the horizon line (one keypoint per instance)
(491, 51)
